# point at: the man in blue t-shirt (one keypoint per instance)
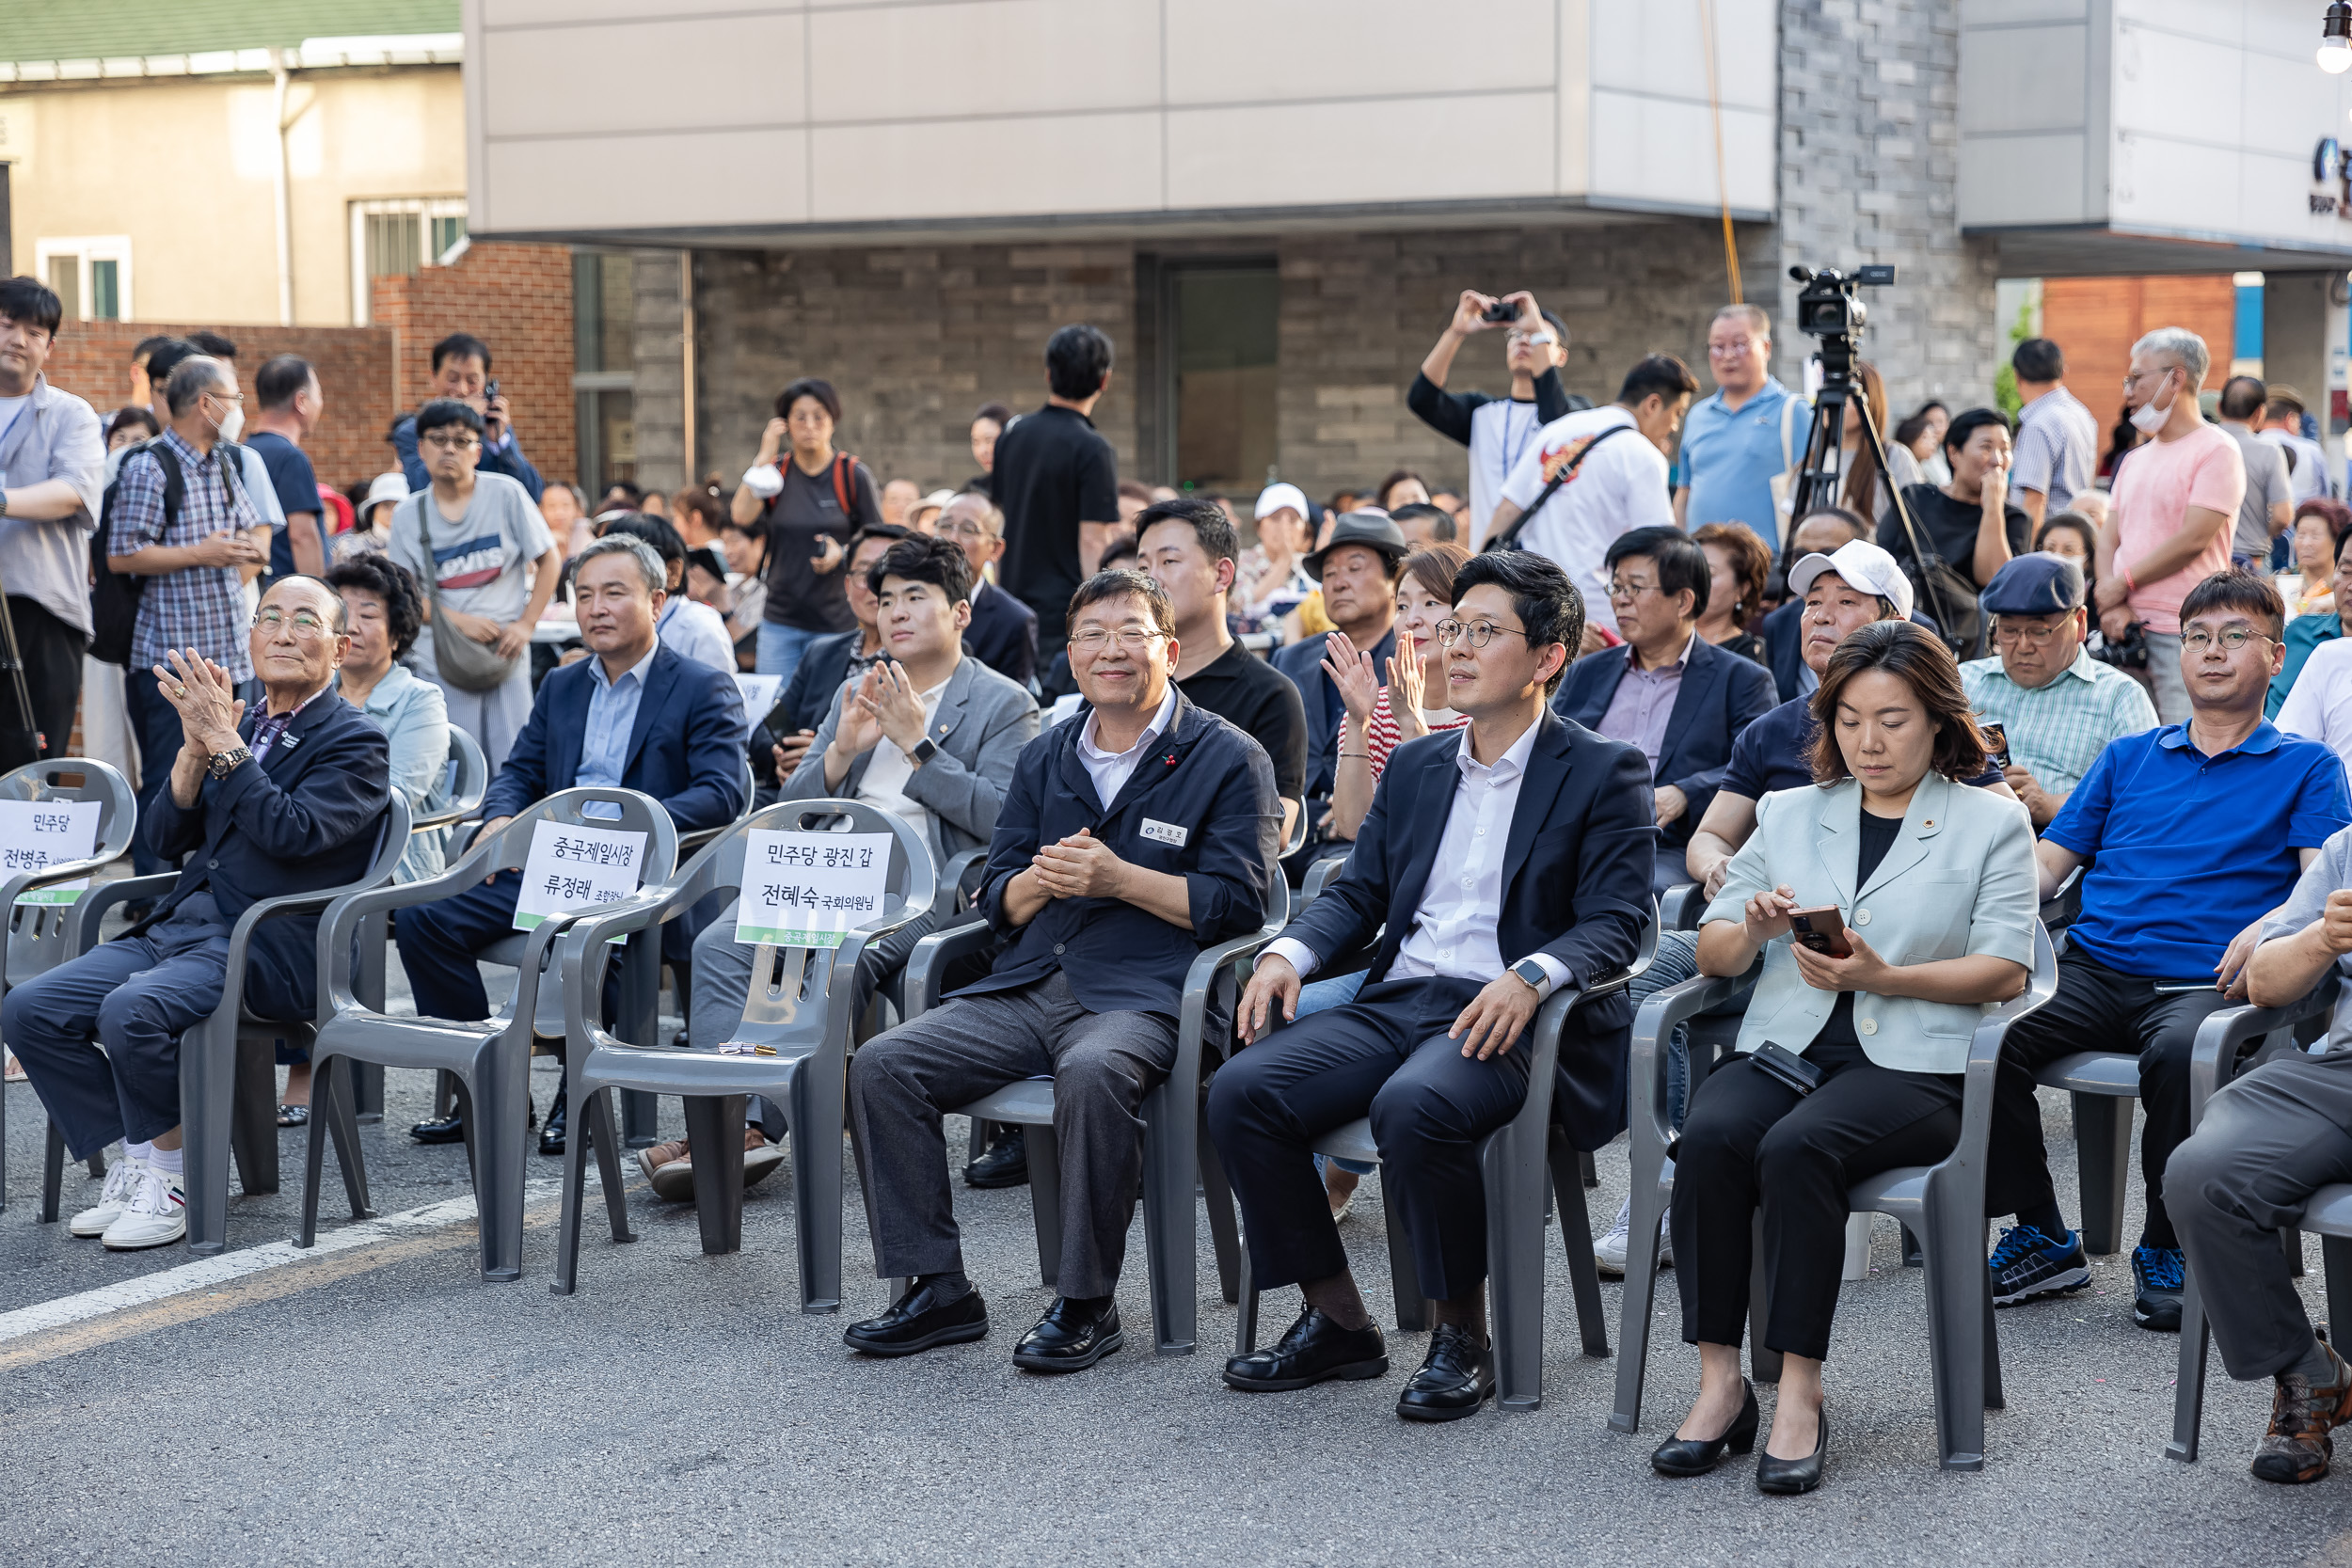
(2199, 831)
(1751, 430)
(287, 389)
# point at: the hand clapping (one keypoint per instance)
(205, 698)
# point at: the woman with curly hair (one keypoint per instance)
(383, 610)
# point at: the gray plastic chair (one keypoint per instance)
(491, 1058)
(1514, 1162)
(37, 932)
(2106, 1086)
(800, 1005)
(2221, 1040)
(1944, 1203)
(1174, 1165)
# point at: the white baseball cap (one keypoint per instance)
(1275, 497)
(1861, 564)
(386, 487)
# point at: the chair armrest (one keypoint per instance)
(1200, 982)
(2213, 1060)
(339, 926)
(1984, 1065)
(1654, 1023)
(83, 919)
(1319, 876)
(951, 878)
(927, 966)
(50, 876)
(1681, 908)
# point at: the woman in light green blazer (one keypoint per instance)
(1935, 887)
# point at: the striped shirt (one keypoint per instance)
(197, 607)
(1381, 735)
(2055, 732)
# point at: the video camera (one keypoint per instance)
(1828, 310)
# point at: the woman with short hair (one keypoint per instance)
(811, 498)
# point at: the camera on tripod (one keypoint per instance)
(1828, 310)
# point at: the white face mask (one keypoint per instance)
(2147, 419)
(234, 424)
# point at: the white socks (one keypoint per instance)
(137, 1152)
(164, 1160)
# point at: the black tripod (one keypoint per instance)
(17, 746)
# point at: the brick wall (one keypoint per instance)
(517, 298)
(92, 360)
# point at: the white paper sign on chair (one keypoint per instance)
(571, 869)
(36, 834)
(810, 889)
(759, 695)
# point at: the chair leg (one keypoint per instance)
(497, 1133)
(575, 1180)
(816, 1104)
(1515, 1174)
(52, 1176)
(208, 1073)
(596, 1116)
(2292, 1242)
(1993, 1397)
(2188, 1383)
(253, 1116)
(977, 1144)
(314, 1149)
(2335, 1263)
(2104, 1133)
(1957, 1288)
(1857, 1247)
(1641, 1294)
(1045, 1200)
(367, 1092)
(1224, 1230)
(1171, 1238)
(1246, 1320)
(714, 1126)
(1576, 1233)
(342, 1122)
(444, 1093)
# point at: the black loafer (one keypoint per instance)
(551, 1135)
(450, 1129)
(919, 1319)
(1790, 1477)
(1071, 1337)
(1695, 1456)
(1454, 1380)
(1315, 1351)
(1006, 1163)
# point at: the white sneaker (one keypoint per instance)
(1609, 1252)
(156, 1214)
(120, 1177)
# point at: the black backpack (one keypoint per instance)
(114, 597)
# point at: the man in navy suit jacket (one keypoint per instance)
(1128, 840)
(1497, 864)
(1003, 633)
(1668, 690)
(287, 798)
(632, 715)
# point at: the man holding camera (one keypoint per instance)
(1498, 431)
(461, 372)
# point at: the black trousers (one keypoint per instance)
(1384, 1056)
(52, 651)
(2095, 1010)
(1752, 1143)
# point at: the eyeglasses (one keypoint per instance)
(2232, 640)
(1477, 634)
(1619, 589)
(306, 624)
(2033, 637)
(453, 443)
(1133, 640)
(1728, 351)
(967, 529)
(1535, 339)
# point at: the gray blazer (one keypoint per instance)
(1959, 880)
(55, 436)
(983, 721)
(414, 716)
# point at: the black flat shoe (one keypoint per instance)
(1315, 1350)
(551, 1135)
(1072, 1336)
(293, 1116)
(919, 1319)
(1695, 1456)
(1454, 1381)
(1006, 1163)
(450, 1129)
(1790, 1477)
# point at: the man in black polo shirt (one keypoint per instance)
(1056, 480)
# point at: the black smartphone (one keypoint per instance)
(1996, 743)
(1822, 929)
(490, 391)
(1501, 310)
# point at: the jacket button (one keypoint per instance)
(1862, 917)
(1058, 949)
(212, 865)
(1869, 1026)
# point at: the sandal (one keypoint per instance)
(15, 1071)
(293, 1116)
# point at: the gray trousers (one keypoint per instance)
(2267, 1141)
(2165, 683)
(1101, 1064)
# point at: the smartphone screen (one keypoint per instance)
(1996, 743)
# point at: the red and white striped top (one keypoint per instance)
(1381, 735)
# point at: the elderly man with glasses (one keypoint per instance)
(285, 797)
(1003, 633)
(2056, 706)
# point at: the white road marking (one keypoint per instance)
(211, 1272)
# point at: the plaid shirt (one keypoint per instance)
(201, 607)
(2055, 732)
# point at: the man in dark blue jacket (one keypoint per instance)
(1129, 840)
(1003, 633)
(285, 798)
(1357, 568)
(632, 716)
(1498, 864)
(461, 370)
(1669, 691)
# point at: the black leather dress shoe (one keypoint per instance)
(551, 1135)
(1695, 1456)
(1072, 1336)
(1006, 1163)
(1315, 1349)
(1790, 1477)
(918, 1320)
(450, 1129)
(1454, 1380)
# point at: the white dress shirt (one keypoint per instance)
(2319, 706)
(1454, 927)
(885, 786)
(1110, 770)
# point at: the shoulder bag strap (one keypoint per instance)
(1509, 538)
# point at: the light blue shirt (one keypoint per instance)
(611, 714)
(1728, 458)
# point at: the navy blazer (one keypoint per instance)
(1784, 645)
(1205, 784)
(824, 665)
(1302, 661)
(1721, 694)
(1576, 884)
(1003, 634)
(303, 818)
(686, 748)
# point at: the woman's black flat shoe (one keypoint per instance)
(293, 1116)
(1694, 1456)
(1790, 1477)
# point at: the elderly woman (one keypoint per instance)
(386, 611)
(2321, 524)
(1918, 895)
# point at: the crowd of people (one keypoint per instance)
(1999, 678)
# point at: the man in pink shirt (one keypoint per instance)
(2176, 499)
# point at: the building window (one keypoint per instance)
(392, 239)
(1220, 348)
(91, 276)
(604, 366)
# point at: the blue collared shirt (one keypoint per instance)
(612, 717)
(1729, 457)
(2191, 848)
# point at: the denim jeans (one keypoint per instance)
(780, 648)
(1678, 961)
(1321, 996)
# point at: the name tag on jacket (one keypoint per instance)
(1164, 832)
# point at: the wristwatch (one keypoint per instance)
(225, 763)
(924, 751)
(1538, 979)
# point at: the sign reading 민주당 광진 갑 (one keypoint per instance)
(36, 834)
(572, 868)
(810, 889)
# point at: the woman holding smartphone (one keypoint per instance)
(1927, 888)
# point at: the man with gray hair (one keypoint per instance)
(1737, 442)
(2175, 501)
(1003, 633)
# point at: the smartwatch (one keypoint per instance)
(225, 763)
(1534, 974)
(924, 751)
